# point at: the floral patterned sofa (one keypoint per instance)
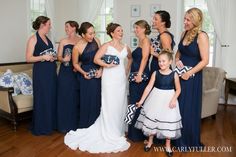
(15, 107)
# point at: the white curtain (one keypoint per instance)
(219, 11)
(88, 10)
(223, 14)
(50, 12)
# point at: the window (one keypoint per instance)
(207, 24)
(37, 8)
(104, 17)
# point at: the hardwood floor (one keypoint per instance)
(216, 134)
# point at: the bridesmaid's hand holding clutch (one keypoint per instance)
(186, 75)
(133, 77)
(98, 73)
(138, 78)
(47, 57)
(86, 76)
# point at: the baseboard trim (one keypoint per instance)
(233, 105)
(13, 63)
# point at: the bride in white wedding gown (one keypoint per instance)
(107, 134)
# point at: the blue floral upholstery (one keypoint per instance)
(7, 80)
(24, 82)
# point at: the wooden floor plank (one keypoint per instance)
(220, 132)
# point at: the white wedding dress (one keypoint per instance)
(107, 134)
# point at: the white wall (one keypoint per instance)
(15, 23)
(64, 11)
(122, 14)
(230, 53)
(14, 30)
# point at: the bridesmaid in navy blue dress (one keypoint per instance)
(164, 40)
(140, 64)
(89, 84)
(67, 86)
(193, 51)
(40, 52)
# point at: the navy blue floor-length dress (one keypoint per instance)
(190, 99)
(90, 89)
(44, 91)
(135, 94)
(67, 96)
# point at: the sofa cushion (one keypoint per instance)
(6, 80)
(212, 77)
(24, 82)
(23, 102)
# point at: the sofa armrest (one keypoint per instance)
(210, 90)
(10, 89)
(6, 101)
(210, 101)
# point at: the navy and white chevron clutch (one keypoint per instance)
(181, 71)
(131, 109)
(111, 58)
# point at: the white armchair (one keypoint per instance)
(213, 79)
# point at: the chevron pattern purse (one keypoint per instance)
(181, 71)
(131, 109)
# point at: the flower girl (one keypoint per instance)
(160, 114)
